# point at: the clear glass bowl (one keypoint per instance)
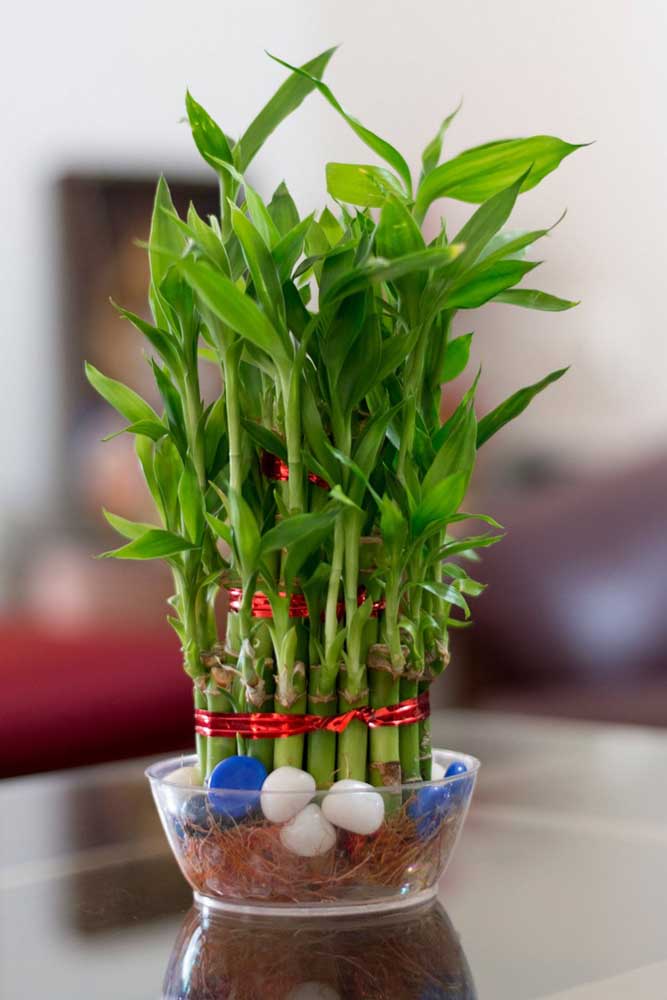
(236, 859)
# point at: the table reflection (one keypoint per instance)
(415, 955)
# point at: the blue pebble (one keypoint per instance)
(459, 790)
(233, 776)
(195, 817)
(429, 808)
(431, 805)
(456, 767)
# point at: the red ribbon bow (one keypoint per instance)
(261, 606)
(274, 468)
(274, 725)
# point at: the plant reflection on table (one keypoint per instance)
(415, 955)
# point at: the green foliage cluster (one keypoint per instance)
(333, 337)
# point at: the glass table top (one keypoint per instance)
(558, 888)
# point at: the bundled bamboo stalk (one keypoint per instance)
(333, 335)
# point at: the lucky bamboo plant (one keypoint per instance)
(321, 486)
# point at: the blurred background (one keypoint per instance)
(573, 622)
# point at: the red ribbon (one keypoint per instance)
(274, 468)
(274, 725)
(298, 608)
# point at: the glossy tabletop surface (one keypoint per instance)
(558, 888)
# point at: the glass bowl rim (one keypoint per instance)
(158, 772)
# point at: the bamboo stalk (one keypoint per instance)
(290, 695)
(260, 697)
(218, 747)
(321, 745)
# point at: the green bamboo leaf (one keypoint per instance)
(462, 545)
(359, 372)
(368, 448)
(332, 228)
(144, 449)
(153, 544)
(165, 345)
(128, 529)
(191, 503)
(509, 243)
(485, 222)
(438, 504)
(361, 184)
(296, 529)
(341, 335)
(380, 146)
(282, 210)
(530, 298)
(208, 240)
(457, 452)
(466, 585)
(481, 172)
(173, 407)
(431, 154)
(245, 534)
(393, 528)
(288, 250)
(512, 407)
(379, 270)
(167, 468)
(234, 308)
(316, 438)
(287, 99)
(257, 210)
(209, 138)
(261, 266)
(165, 244)
(447, 593)
(219, 528)
(457, 356)
(395, 350)
(149, 428)
(266, 439)
(488, 284)
(123, 399)
(215, 437)
(464, 516)
(397, 233)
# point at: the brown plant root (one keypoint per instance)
(249, 862)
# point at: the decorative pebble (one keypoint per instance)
(233, 776)
(181, 778)
(456, 767)
(187, 777)
(313, 991)
(429, 808)
(194, 816)
(308, 834)
(458, 790)
(354, 806)
(286, 791)
(430, 805)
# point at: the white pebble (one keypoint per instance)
(308, 834)
(285, 792)
(437, 771)
(186, 777)
(313, 991)
(354, 806)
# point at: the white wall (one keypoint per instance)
(84, 85)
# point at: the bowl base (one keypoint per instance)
(316, 909)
